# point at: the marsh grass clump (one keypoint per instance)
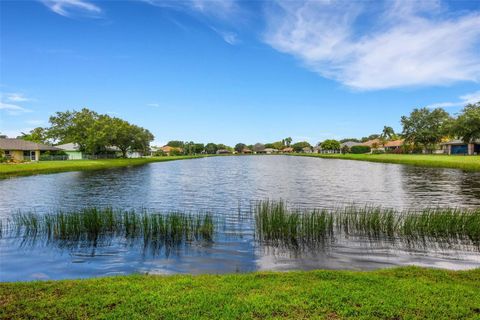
(278, 225)
(90, 226)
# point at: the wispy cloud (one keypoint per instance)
(13, 109)
(155, 105)
(215, 8)
(70, 8)
(228, 36)
(404, 43)
(35, 122)
(16, 97)
(213, 12)
(473, 97)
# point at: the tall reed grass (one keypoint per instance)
(92, 225)
(277, 224)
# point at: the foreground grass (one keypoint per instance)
(25, 169)
(471, 163)
(400, 293)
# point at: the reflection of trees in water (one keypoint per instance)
(427, 187)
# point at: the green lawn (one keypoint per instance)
(400, 293)
(471, 163)
(30, 168)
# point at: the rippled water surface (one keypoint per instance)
(226, 187)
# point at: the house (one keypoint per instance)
(73, 151)
(349, 144)
(246, 151)
(168, 150)
(307, 150)
(394, 145)
(460, 147)
(270, 150)
(223, 151)
(287, 150)
(22, 150)
(259, 148)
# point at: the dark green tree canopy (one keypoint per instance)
(240, 146)
(467, 124)
(426, 127)
(330, 144)
(94, 132)
(298, 147)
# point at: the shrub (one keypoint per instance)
(360, 149)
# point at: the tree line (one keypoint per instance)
(94, 133)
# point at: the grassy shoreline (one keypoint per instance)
(45, 167)
(398, 293)
(468, 163)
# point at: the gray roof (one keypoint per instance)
(350, 144)
(69, 146)
(23, 145)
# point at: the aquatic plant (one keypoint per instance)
(93, 225)
(278, 225)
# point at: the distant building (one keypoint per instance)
(168, 150)
(74, 153)
(349, 144)
(22, 150)
(287, 150)
(307, 150)
(394, 145)
(246, 151)
(460, 147)
(224, 151)
(270, 150)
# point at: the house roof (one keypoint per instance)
(289, 149)
(270, 150)
(169, 149)
(23, 145)
(458, 141)
(394, 143)
(349, 144)
(69, 146)
(370, 143)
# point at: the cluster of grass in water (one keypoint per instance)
(91, 226)
(275, 224)
(278, 225)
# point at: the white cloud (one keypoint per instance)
(16, 97)
(473, 97)
(13, 109)
(229, 37)
(215, 8)
(68, 8)
(155, 105)
(404, 43)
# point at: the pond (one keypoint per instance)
(227, 187)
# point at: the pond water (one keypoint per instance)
(227, 187)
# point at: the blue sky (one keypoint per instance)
(237, 71)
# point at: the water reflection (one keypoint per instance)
(221, 186)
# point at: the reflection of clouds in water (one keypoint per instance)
(221, 185)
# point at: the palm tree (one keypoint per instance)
(388, 132)
(288, 141)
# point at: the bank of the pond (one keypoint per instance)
(400, 293)
(471, 163)
(43, 167)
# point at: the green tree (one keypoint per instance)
(239, 147)
(467, 124)
(199, 148)
(298, 147)
(211, 148)
(287, 141)
(425, 127)
(176, 144)
(388, 133)
(330, 144)
(38, 135)
(278, 145)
